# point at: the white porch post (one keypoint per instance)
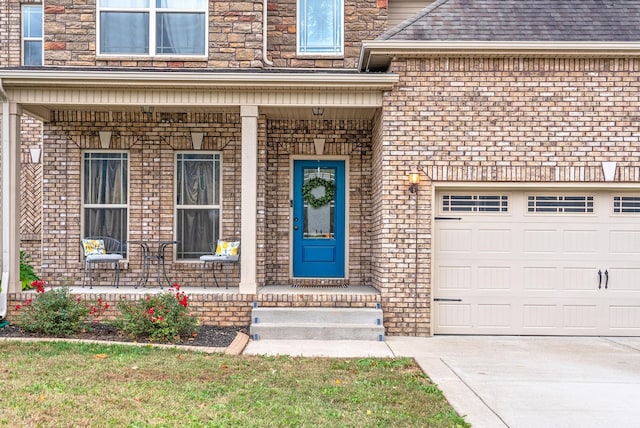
(248, 224)
(11, 195)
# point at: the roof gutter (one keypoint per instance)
(147, 79)
(376, 55)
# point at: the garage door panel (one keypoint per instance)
(579, 279)
(539, 316)
(540, 277)
(580, 242)
(541, 241)
(453, 316)
(624, 279)
(494, 315)
(529, 272)
(454, 277)
(625, 318)
(624, 242)
(455, 240)
(494, 241)
(580, 316)
(494, 278)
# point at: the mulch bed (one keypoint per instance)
(207, 335)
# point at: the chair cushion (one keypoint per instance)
(103, 258)
(93, 247)
(219, 259)
(227, 248)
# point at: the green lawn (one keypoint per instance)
(59, 384)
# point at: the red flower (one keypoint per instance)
(28, 302)
(150, 311)
(39, 285)
(18, 307)
(176, 286)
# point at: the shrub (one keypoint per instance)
(27, 272)
(54, 313)
(163, 317)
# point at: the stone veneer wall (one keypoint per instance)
(151, 141)
(363, 20)
(490, 120)
(289, 138)
(235, 36)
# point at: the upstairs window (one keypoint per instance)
(320, 27)
(152, 27)
(32, 34)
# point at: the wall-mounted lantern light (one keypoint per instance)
(414, 180)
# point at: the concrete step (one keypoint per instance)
(316, 324)
(316, 315)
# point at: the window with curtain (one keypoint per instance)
(106, 194)
(32, 34)
(320, 27)
(152, 27)
(198, 200)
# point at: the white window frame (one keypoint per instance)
(152, 10)
(178, 207)
(26, 39)
(301, 46)
(85, 206)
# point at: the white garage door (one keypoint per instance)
(538, 263)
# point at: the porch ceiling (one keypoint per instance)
(347, 95)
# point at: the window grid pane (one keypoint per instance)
(626, 204)
(560, 204)
(475, 203)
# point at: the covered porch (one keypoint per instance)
(258, 122)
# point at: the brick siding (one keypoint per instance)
(488, 120)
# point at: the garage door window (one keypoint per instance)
(560, 204)
(626, 204)
(475, 203)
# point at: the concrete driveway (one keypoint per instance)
(546, 382)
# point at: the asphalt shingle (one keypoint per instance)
(523, 20)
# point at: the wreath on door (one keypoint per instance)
(329, 192)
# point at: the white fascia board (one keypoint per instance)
(403, 48)
(284, 80)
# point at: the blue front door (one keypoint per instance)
(318, 219)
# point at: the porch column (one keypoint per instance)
(248, 206)
(11, 196)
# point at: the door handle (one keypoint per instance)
(599, 279)
(606, 281)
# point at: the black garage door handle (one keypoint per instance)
(599, 279)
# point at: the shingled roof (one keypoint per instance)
(523, 20)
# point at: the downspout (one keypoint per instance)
(4, 285)
(264, 34)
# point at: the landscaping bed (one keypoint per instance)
(207, 335)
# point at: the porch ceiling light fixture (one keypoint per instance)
(317, 111)
(147, 109)
(414, 180)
